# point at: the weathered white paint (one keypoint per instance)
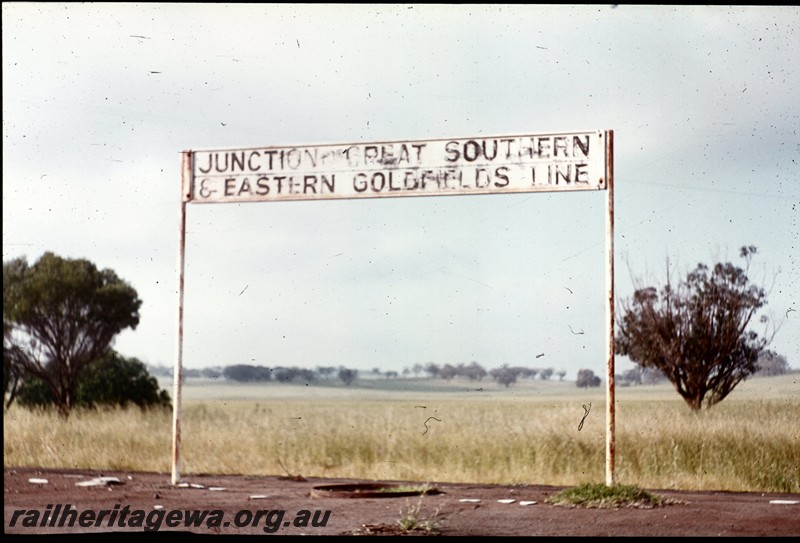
(481, 165)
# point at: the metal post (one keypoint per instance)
(177, 373)
(610, 426)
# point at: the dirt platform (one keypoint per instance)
(293, 506)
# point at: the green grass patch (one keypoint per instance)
(416, 489)
(601, 496)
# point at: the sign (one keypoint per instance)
(486, 165)
(482, 165)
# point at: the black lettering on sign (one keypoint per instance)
(472, 151)
(237, 159)
(360, 182)
(451, 148)
(584, 146)
(230, 186)
(502, 174)
(230, 162)
(244, 187)
(567, 174)
(271, 154)
(250, 165)
(370, 154)
(262, 184)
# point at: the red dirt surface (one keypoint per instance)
(239, 498)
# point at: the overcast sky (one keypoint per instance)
(99, 100)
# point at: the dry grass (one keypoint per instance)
(749, 442)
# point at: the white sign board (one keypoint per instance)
(482, 165)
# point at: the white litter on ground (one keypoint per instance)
(784, 502)
(36, 481)
(258, 496)
(100, 481)
(527, 503)
(158, 507)
(217, 488)
(469, 500)
(196, 485)
(506, 501)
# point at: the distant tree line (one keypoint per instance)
(769, 364)
(247, 373)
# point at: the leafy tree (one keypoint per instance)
(561, 374)
(116, 380)
(473, 371)
(112, 380)
(772, 363)
(504, 375)
(212, 373)
(546, 373)
(432, 369)
(347, 375)
(586, 379)
(447, 372)
(287, 375)
(697, 332)
(64, 315)
(641, 376)
(283, 374)
(246, 373)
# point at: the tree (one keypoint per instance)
(12, 371)
(447, 372)
(247, 373)
(112, 380)
(347, 375)
(212, 373)
(772, 363)
(586, 379)
(473, 371)
(504, 375)
(432, 369)
(641, 376)
(64, 315)
(697, 332)
(116, 380)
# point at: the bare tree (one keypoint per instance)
(698, 332)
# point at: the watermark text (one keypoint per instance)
(67, 516)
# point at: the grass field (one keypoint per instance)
(432, 430)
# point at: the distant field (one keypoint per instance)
(781, 387)
(432, 430)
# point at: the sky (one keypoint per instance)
(100, 99)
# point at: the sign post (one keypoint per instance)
(610, 399)
(568, 161)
